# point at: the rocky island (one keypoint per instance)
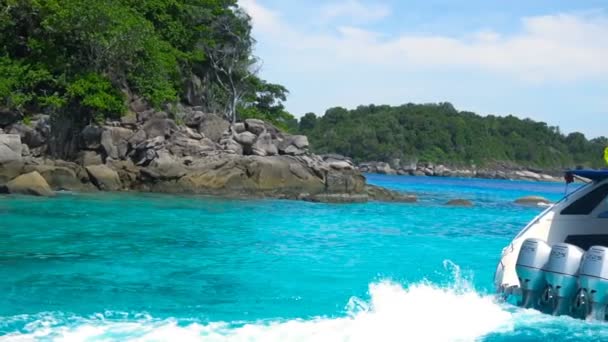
(206, 154)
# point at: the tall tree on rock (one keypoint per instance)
(231, 59)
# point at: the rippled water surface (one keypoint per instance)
(157, 267)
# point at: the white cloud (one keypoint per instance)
(560, 47)
(354, 10)
(264, 19)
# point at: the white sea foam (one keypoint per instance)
(419, 312)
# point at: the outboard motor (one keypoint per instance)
(533, 256)
(561, 275)
(593, 280)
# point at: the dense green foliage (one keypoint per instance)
(439, 133)
(86, 58)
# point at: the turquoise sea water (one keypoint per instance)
(146, 267)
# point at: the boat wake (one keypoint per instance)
(393, 312)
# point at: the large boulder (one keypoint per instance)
(90, 137)
(126, 170)
(245, 138)
(264, 146)
(213, 126)
(10, 148)
(258, 127)
(60, 177)
(194, 118)
(299, 141)
(239, 127)
(159, 127)
(183, 146)
(10, 169)
(30, 184)
(8, 117)
(293, 145)
(138, 137)
(86, 158)
(115, 141)
(145, 152)
(229, 145)
(341, 165)
(251, 175)
(165, 167)
(190, 133)
(104, 177)
(29, 136)
(344, 182)
(255, 126)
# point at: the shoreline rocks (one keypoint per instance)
(431, 170)
(148, 151)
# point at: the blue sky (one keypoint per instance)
(546, 60)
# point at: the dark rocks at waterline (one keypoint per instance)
(533, 200)
(459, 203)
(377, 193)
(431, 170)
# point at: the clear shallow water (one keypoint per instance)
(158, 267)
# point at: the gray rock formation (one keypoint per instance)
(245, 138)
(264, 146)
(10, 148)
(86, 158)
(148, 151)
(90, 137)
(159, 127)
(115, 141)
(29, 135)
(213, 126)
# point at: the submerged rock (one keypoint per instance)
(533, 200)
(460, 203)
(385, 195)
(337, 198)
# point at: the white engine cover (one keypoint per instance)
(593, 274)
(533, 256)
(562, 269)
